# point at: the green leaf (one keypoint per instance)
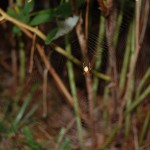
(30, 140)
(65, 9)
(61, 11)
(24, 18)
(64, 27)
(43, 17)
(28, 6)
(16, 30)
(11, 12)
(19, 14)
(51, 35)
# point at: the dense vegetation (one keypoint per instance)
(74, 75)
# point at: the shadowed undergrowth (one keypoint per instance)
(74, 75)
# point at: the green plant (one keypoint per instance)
(114, 94)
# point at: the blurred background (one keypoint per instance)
(74, 75)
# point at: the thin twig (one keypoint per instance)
(22, 59)
(48, 136)
(74, 7)
(144, 22)
(14, 67)
(136, 143)
(112, 68)
(82, 40)
(32, 54)
(60, 84)
(69, 126)
(11, 3)
(23, 25)
(45, 74)
(87, 19)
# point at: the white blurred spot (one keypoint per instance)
(29, 1)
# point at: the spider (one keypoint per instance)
(87, 69)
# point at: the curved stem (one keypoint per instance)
(21, 24)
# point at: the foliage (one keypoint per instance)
(108, 93)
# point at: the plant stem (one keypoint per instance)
(142, 82)
(112, 65)
(23, 25)
(139, 100)
(110, 138)
(137, 49)
(132, 51)
(74, 93)
(88, 78)
(128, 116)
(118, 25)
(145, 127)
(22, 62)
(99, 53)
(126, 60)
(105, 112)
